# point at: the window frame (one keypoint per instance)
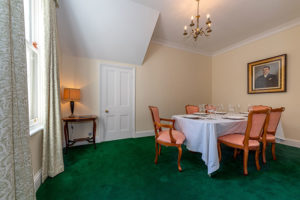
(32, 19)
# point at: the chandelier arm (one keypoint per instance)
(206, 34)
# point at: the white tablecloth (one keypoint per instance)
(201, 136)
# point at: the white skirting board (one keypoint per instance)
(288, 142)
(146, 133)
(37, 180)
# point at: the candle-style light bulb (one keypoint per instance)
(192, 18)
(185, 30)
(207, 16)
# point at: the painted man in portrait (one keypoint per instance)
(266, 80)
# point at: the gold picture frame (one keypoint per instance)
(267, 75)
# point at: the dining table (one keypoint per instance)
(202, 131)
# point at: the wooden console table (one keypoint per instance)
(81, 118)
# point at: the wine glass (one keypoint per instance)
(238, 108)
(218, 108)
(202, 108)
(249, 107)
(221, 108)
(230, 108)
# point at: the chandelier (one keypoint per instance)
(197, 30)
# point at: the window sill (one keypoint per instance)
(35, 129)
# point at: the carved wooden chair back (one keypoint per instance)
(191, 109)
(210, 107)
(258, 121)
(275, 116)
(155, 118)
(258, 107)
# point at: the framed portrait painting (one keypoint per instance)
(267, 75)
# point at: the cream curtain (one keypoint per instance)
(16, 179)
(52, 162)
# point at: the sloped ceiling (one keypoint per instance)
(117, 30)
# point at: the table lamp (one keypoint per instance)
(71, 94)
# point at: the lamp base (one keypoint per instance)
(72, 105)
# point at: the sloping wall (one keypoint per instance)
(229, 77)
(118, 30)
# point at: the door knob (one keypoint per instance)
(106, 111)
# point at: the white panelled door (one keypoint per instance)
(117, 96)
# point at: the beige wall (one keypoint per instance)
(169, 79)
(229, 77)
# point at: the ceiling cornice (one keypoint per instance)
(249, 40)
(181, 47)
(259, 36)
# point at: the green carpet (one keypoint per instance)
(124, 169)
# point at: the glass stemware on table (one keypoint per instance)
(216, 111)
(211, 111)
(202, 108)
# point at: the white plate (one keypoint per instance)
(191, 117)
(221, 113)
(198, 113)
(246, 113)
(234, 117)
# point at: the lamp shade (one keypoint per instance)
(71, 94)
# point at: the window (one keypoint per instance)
(32, 16)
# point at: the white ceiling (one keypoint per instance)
(121, 30)
(232, 20)
(117, 30)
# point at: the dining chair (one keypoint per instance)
(256, 127)
(169, 137)
(210, 107)
(191, 109)
(258, 107)
(269, 137)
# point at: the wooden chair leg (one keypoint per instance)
(235, 153)
(156, 152)
(257, 159)
(273, 151)
(159, 149)
(219, 151)
(264, 152)
(246, 151)
(179, 157)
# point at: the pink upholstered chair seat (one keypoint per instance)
(164, 136)
(238, 139)
(270, 137)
